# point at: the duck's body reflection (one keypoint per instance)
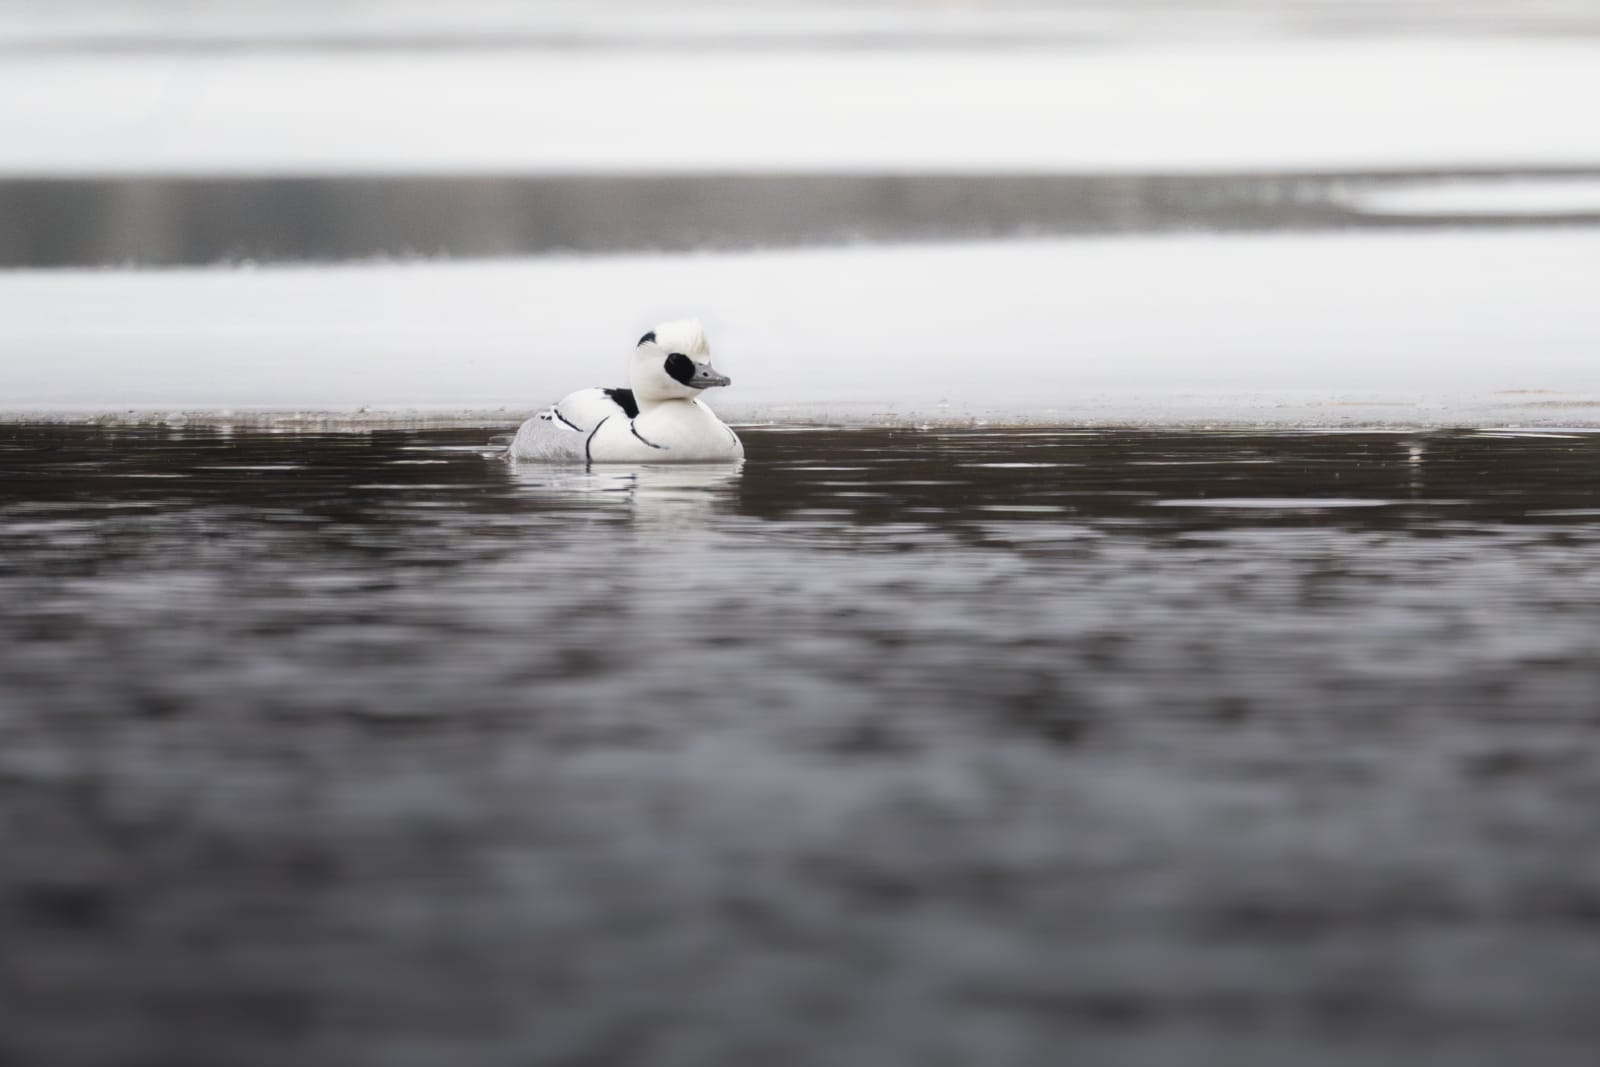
(661, 495)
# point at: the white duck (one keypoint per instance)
(658, 419)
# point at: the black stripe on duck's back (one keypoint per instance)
(623, 398)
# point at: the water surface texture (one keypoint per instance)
(168, 221)
(889, 747)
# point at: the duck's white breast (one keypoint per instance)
(677, 432)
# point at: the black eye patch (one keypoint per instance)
(647, 338)
(680, 367)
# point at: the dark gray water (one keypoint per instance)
(892, 747)
(172, 221)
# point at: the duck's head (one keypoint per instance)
(673, 362)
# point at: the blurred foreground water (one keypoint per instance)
(891, 747)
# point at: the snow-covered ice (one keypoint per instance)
(1221, 106)
(1394, 327)
(1410, 328)
(1466, 197)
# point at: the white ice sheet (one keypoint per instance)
(1501, 197)
(1403, 328)
(1290, 104)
